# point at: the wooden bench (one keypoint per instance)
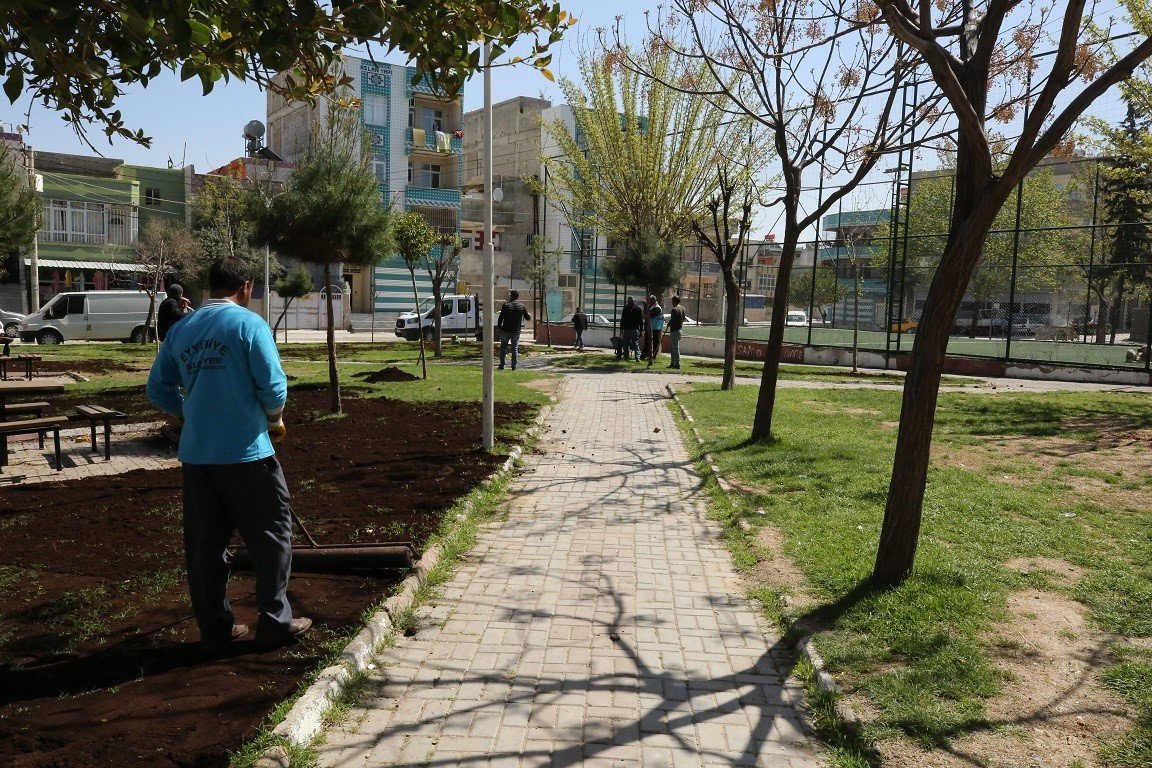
(35, 409)
(27, 360)
(98, 413)
(34, 427)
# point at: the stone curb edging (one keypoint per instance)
(805, 647)
(306, 718)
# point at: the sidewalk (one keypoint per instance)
(601, 624)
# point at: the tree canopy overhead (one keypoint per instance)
(79, 58)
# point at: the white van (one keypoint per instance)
(459, 316)
(89, 316)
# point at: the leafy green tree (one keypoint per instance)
(225, 217)
(295, 285)
(20, 207)
(828, 289)
(78, 58)
(1126, 186)
(647, 259)
(330, 212)
(643, 154)
(414, 239)
(442, 263)
(1045, 207)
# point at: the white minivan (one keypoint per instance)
(89, 316)
(459, 316)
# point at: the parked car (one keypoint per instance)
(90, 316)
(796, 318)
(592, 319)
(11, 322)
(458, 317)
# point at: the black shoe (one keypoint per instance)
(296, 628)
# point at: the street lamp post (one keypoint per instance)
(489, 404)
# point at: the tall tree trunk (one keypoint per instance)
(437, 349)
(419, 324)
(731, 323)
(900, 532)
(333, 375)
(766, 399)
(856, 315)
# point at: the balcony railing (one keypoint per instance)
(418, 138)
(435, 198)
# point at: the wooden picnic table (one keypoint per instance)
(20, 388)
(26, 360)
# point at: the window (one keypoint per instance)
(765, 283)
(424, 175)
(411, 113)
(72, 221)
(380, 171)
(375, 109)
(432, 120)
(151, 196)
(464, 306)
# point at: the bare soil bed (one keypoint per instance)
(99, 662)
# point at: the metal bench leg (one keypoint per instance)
(92, 426)
(40, 436)
(107, 440)
(56, 440)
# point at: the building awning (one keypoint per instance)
(105, 266)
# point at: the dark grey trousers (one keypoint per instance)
(220, 499)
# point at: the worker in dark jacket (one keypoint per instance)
(511, 318)
(675, 326)
(172, 310)
(580, 324)
(631, 321)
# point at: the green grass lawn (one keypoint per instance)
(1022, 349)
(921, 653)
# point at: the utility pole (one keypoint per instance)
(34, 267)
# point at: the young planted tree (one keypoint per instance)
(825, 87)
(330, 213)
(544, 263)
(442, 263)
(976, 55)
(164, 247)
(20, 206)
(725, 234)
(414, 239)
(79, 58)
(295, 285)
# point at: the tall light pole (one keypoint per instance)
(489, 407)
(34, 262)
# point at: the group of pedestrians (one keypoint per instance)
(636, 320)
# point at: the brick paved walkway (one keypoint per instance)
(601, 624)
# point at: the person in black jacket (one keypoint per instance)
(631, 321)
(512, 316)
(675, 324)
(172, 310)
(580, 324)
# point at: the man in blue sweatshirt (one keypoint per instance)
(225, 361)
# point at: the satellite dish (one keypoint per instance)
(497, 194)
(254, 129)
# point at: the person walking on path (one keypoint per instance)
(234, 391)
(172, 310)
(631, 320)
(675, 326)
(655, 319)
(579, 324)
(512, 316)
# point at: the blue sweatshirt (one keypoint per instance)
(225, 360)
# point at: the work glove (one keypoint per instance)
(276, 430)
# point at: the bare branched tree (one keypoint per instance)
(974, 51)
(823, 81)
